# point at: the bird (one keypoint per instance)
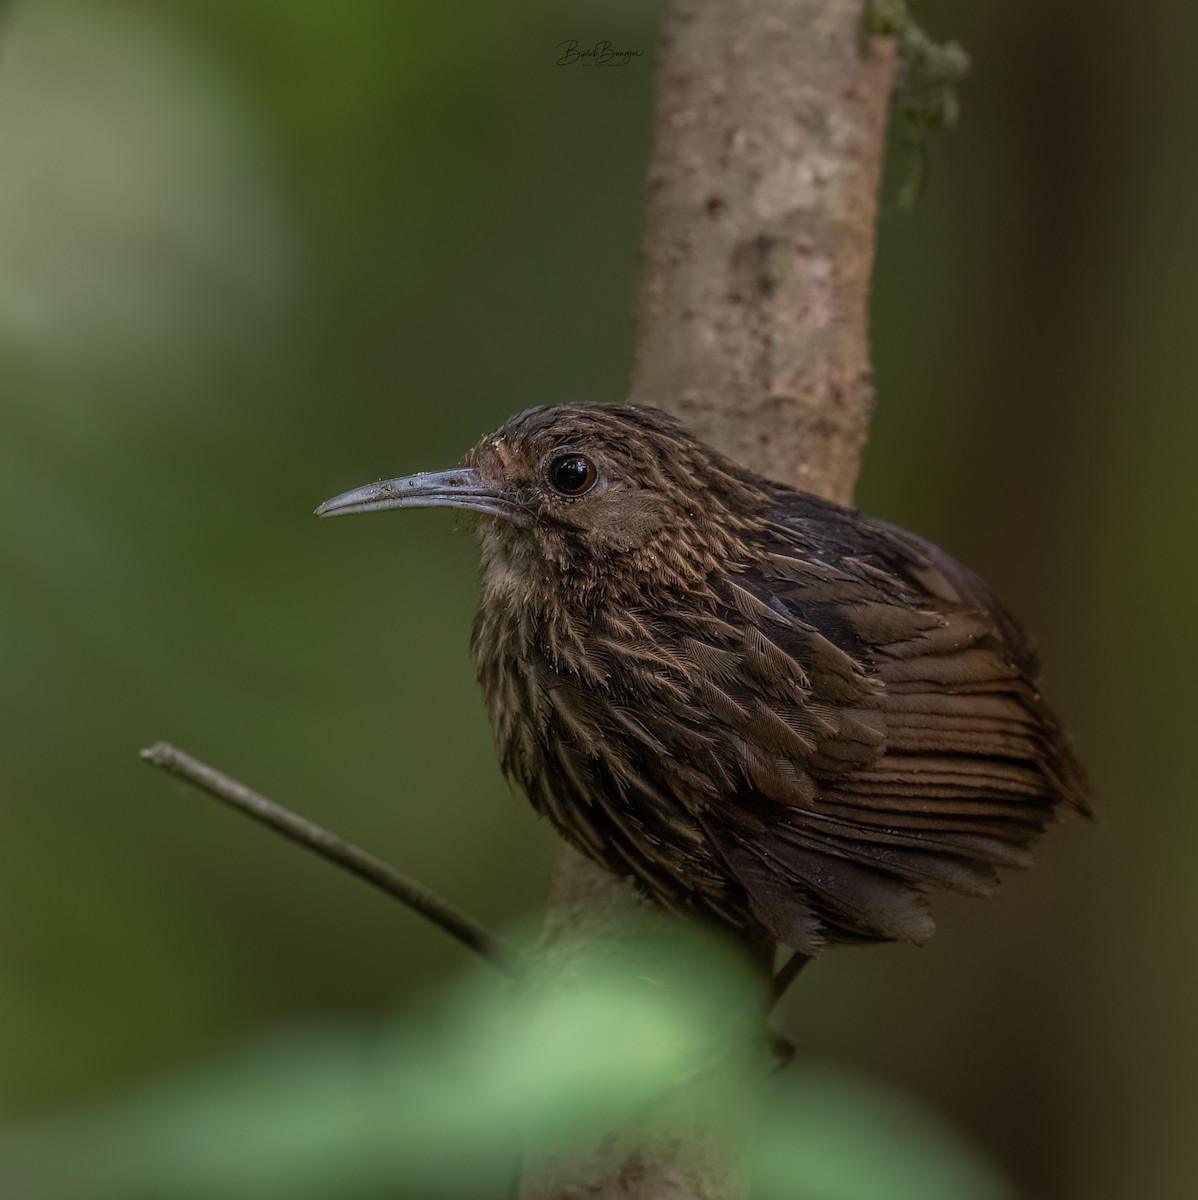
(765, 709)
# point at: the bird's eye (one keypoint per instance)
(573, 474)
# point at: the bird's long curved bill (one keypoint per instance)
(461, 488)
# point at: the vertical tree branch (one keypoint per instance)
(753, 323)
(759, 245)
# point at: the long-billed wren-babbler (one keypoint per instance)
(757, 704)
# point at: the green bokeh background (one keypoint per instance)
(253, 254)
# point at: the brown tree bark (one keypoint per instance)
(753, 321)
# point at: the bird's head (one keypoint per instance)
(585, 489)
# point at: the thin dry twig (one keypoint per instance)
(343, 854)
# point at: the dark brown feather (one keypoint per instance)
(758, 704)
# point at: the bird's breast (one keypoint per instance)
(587, 709)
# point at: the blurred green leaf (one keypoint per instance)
(441, 1102)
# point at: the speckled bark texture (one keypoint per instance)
(759, 242)
(753, 324)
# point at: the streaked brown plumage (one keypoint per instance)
(759, 705)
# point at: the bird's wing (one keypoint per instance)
(882, 712)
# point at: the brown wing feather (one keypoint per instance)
(931, 758)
